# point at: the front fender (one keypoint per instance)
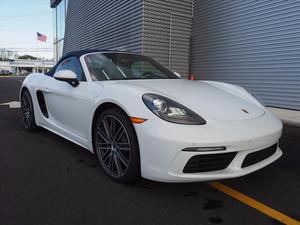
(237, 91)
(128, 98)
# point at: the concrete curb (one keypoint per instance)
(288, 117)
(10, 76)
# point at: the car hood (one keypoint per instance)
(203, 98)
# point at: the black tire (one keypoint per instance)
(27, 110)
(111, 147)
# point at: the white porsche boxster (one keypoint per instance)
(141, 119)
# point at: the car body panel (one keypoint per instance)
(166, 157)
(234, 119)
(203, 98)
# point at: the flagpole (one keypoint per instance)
(37, 57)
(43, 38)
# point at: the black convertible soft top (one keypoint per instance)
(77, 54)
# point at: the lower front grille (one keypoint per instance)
(208, 162)
(258, 156)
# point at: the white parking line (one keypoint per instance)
(13, 104)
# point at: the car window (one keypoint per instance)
(123, 66)
(73, 64)
(142, 68)
(100, 67)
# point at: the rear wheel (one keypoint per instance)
(27, 112)
(116, 145)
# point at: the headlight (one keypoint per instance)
(171, 111)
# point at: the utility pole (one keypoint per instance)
(17, 72)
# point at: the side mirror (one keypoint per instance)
(177, 74)
(67, 76)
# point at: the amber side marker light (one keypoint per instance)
(137, 120)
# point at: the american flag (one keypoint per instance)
(41, 37)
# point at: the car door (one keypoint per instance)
(67, 104)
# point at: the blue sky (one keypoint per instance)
(19, 22)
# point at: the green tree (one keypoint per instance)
(27, 57)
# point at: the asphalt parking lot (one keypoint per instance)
(45, 180)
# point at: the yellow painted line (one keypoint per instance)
(255, 204)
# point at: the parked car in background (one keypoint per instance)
(5, 72)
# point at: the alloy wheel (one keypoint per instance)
(113, 145)
(26, 108)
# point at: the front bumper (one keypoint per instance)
(161, 144)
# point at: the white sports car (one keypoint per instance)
(141, 119)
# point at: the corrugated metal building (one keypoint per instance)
(104, 25)
(255, 44)
(167, 30)
(151, 27)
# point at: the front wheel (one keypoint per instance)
(28, 118)
(116, 145)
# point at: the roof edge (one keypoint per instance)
(54, 3)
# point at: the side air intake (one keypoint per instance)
(42, 103)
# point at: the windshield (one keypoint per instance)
(122, 66)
